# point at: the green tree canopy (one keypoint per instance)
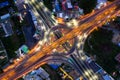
(110, 0)
(87, 5)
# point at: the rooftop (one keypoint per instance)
(39, 74)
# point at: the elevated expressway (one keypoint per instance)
(44, 15)
(87, 24)
(60, 26)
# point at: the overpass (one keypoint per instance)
(82, 27)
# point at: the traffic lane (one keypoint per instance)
(94, 25)
(39, 16)
(95, 66)
(39, 62)
(97, 24)
(44, 16)
(40, 5)
(28, 32)
(54, 44)
(89, 24)
(17, 66)
(97, 13)
(22, 67)
(79, 66)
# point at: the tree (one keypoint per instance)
(48, 4)
(87, 5)
(110, 0)
(1, 70)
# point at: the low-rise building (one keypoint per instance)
(22, 51)
(39, 74)
(100, 3)
(5, 26)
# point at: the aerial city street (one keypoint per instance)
(59, 39)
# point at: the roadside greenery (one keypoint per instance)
(87, 5)
(13, 42)
(4, 10)
(111, 0)
(20, 79)
(117, 20)
(48, 4)
(99, 43)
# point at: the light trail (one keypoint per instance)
(79, 30)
